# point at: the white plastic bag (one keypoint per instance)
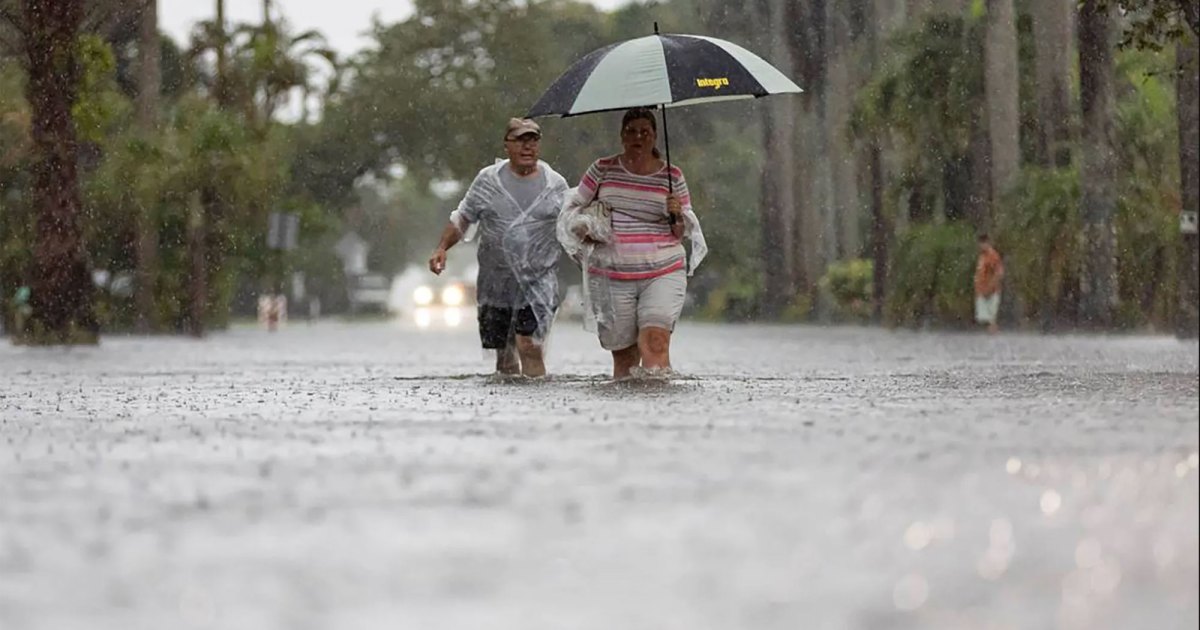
(582, 232)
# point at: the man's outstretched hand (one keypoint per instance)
(437, 262)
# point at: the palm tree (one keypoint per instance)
(1188, 112)
(274, 62)
(62, 292)
(1002, 98)
(1052, 23)
(259, 65)
(778, 199)
(1098, 277)
(149, 85)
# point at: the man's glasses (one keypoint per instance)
(524, 140)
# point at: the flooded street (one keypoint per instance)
(371, 476)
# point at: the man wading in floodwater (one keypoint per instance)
(515, 203)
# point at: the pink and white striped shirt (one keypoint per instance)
(644, 246)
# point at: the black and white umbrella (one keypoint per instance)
(658, 71)
(662, 71)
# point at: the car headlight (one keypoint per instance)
(423, 317)
(453, 295)
(423, 296)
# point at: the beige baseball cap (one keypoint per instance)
(518, 127)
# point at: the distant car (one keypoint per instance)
(368, 291)
(446, 303)
(429, 301)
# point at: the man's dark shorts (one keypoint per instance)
(498, 325)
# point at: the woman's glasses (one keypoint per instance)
(631, 132)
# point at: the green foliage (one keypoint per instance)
(931, 90)
(929, 101)
(476, 65)
(930, 98)
(1038, 236)
(1040, 220)
(735, 298)
(1154, 24)
(932, 270)
(849, 283)
(722, 167)
(100, 106)
(430, 97)
(399, 222)
(1148, 201)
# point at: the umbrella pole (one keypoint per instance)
(667, 145)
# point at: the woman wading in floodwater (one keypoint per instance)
(639, 278)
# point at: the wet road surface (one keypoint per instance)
(371, 476)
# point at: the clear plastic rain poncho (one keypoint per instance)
(518, 249)
(585, 231)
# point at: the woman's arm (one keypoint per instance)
(679, 202)
(588, 188)
(675, 216)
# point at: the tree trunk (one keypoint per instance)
(779, 200)
(1188, 108)
(220, 83)
(202, 207)
(1052, 24)
(149, 86)
(149, 72)
(885, 17)
(1003, 103)
(62, 292)
(1098, 277)
(814, 237)
(305, 95)
(197, 311)
(842, 158)
(881, 231)
(920, 8)
(976, 167)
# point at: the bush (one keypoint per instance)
(734, 297)
(849, 283)
(931, 276)
(1038, 235)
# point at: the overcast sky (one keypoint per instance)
(343, 22)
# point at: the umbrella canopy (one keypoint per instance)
(664, 71)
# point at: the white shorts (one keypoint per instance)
(636, 304)
(986, 308)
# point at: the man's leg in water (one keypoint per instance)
(507, 361)
(532, 323)
(496, 333)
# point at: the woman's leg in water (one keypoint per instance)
(659, 304)
(624, 361)
(654, 345)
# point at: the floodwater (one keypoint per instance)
(372, 476)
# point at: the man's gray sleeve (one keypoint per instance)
(475, 202)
